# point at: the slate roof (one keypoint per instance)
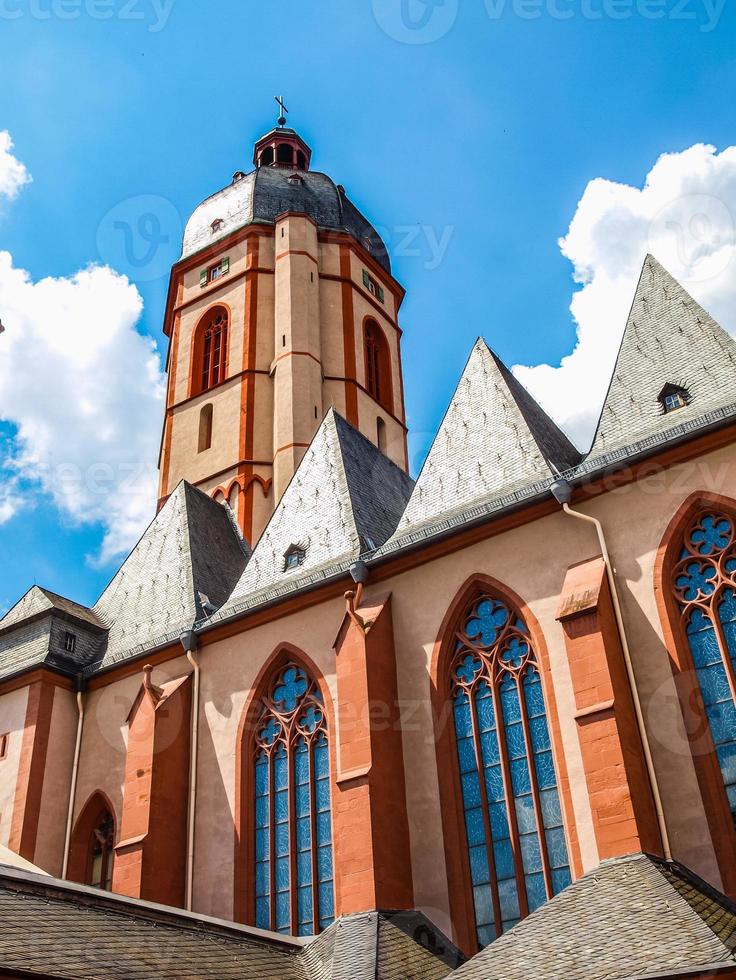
(345, 499)
(493, 439)
(86, 934)
(264, 194)
(668, 338)
(191, 550)
(631, 917)
(38, 601)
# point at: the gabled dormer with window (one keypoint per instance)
(673, 397)
(294, 557)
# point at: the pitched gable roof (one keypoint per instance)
(631, 917)
(669, 339)
(345, 499)
(493, 440)
(190, 551)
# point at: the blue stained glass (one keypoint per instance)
(463, 721)
(488, 620)
(533, 695)
(520, 777)
(281, 839)
(703, 642)
(304, 929)
(536, 891)
(531, 853)
(722, 718)
(486, 935)
(561, 878)
(545, 770)
(282, 874)
(302, 801)
(489, 748)
(514, 652)
(539, 734)
(471, 789)
(301, 763)
(304, 906)
(326, 903)
(466, 754)
(697, 578)
(503, 856)
(321, 758)
(499, 821)
(322, 795)
(469, 668)
(727, 759)
(526, 818)
(283, 912)
(494, 784)
(510, 702)
(262, 775)
(262, 844)
(515, 744)
(311, 719)
(484, 708)
(508, 898)
(479, 873)
(508, 924)
(483, 902)
(270, 732)
(281, 807)
(263, 878)
(551, 812)
(304, 867)
(324, 830)
(324, 863)
(474, 826)
(293, 686)
(303, 833)
(714, 683)
(280, 770)
(263, 913)
(556, 847)
(713, 535)
(262, 812)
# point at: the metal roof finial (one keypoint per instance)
(279, 99)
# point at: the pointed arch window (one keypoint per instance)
(516, 847)
(292, 814)
(377, 367)
(101, 853)
(704, 586)
(210, 351)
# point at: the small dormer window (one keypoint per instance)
(295, 180)
(673, 397)
(70, 642)
(238, 176)
(294, 557)
(217, 225)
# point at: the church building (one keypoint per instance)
(327, 721)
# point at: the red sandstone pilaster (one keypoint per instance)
(372, 856)
(624, 816)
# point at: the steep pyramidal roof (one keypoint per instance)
(38, 601)
(190, 554)
(493, 439)
(631, 917)
(345, 499)
(669, 340)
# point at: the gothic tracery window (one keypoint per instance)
(516, 847)
(293, 834)
(704, 584)
(211, 351)
(377, 370)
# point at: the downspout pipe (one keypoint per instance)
(189, 642)
(75, 773)
(562, 492)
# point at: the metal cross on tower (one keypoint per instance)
(282, 117)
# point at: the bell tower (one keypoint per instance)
(282, 305)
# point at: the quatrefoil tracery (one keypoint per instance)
(707, 564)
(291, 711)
(491, 643)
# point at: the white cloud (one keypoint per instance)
(84, 391)
(685, 215)
(13, 174)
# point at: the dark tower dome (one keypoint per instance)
(276, 186)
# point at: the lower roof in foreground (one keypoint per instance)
(632, 917)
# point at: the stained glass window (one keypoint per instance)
(101, 853)
(293, 825)
(517, 851)
(704, 581)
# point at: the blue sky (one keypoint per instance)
(469, 142)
